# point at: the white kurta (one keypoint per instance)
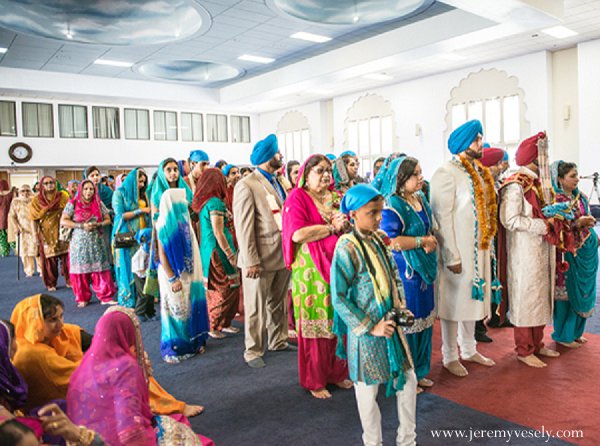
(454, 214)
(530, 259)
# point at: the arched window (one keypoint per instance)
(496, 100)
(293, 136)
(369, 130)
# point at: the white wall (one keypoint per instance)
(69, 152)
(589, 102)
(267, 123)
(423, 102)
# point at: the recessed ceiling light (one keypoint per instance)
(310, 37)
(378, 77)
(3, 50)
(258, 59)
(560, 32)
(113, 63)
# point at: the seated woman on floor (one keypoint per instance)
(49, 351)
(49, 421)
(109, 391)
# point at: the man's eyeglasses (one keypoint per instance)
(46, 183)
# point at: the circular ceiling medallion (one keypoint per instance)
(114, 22)
(191, 71)
(349, 12)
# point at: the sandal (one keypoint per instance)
(216, 335)
(82, 304)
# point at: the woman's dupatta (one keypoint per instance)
(416, 259)
(300, 211)
(173, 231)
(109, 391)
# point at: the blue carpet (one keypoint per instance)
(267, 407)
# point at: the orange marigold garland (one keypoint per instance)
(485, 201)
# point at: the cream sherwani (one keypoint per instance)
(454, 214)
(530, 259)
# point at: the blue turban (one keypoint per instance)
(227, 168)
(348, 152)
(330, 156)
(461, 138)
(486, 145)
(264, 150)
(505, 158)
(357, 196)
(198, 156)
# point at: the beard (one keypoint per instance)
(473, 154)
(275, 163)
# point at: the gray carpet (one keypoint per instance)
(266, 407)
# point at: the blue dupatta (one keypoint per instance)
(173, 222)
(416, 259)
(580, 278)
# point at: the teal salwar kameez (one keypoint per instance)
(575, 295)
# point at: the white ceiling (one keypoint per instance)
(449, 35)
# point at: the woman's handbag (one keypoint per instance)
(124, 239)
(65, 234)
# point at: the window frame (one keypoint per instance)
(37, 104)
(209, 137)
(96, 128)
(243, 138)
(60, 127)
(14, 120)
(137, 129)
(192, 114)
(166, 138)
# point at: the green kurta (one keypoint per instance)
(208, 241)
(311, 295)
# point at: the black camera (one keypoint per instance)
(402, 318)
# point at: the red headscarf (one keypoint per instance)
(491, 156)
(527, 152)
(84, 211)
(211, 184)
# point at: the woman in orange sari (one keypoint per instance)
(46, 209)
(49, 351)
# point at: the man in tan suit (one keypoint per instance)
(257, 204)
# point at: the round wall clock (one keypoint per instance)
(20, 152)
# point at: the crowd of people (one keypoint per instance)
(356, 273)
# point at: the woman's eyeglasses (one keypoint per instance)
(322, 170)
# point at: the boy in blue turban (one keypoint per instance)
(198, 162)
(365, 286)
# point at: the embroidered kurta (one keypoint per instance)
(87, 250)
(530, 259)
(455, 215)
(354, 299)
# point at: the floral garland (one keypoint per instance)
(485, 202)
(488, 221)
